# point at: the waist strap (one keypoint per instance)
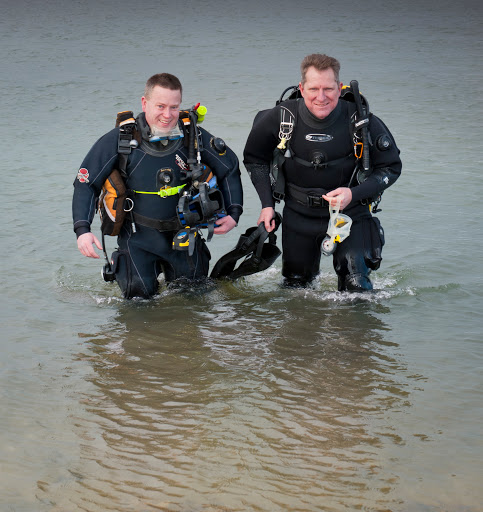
(161, 225)
(311, 197)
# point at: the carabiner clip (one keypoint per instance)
(358, 149)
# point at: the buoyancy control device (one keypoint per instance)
(360, 135)
(200, 202)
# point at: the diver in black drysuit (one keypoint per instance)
(144, 253)
(323, 160)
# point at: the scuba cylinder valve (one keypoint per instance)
(338, 230)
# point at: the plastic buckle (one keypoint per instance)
(164, 192)
(124, 145)
(108, 274)
(361, 122)
(278, 196)
(316, 201)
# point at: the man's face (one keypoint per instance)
(162, 108)
(321, 92)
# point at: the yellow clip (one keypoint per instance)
(282, 143)
(164, 192)
(169, 191)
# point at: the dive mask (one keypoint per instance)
(159, 136)
(338, 230)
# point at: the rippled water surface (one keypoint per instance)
(242, 396)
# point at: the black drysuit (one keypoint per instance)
(143, 254)
(322, 160)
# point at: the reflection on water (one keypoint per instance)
(222, 400)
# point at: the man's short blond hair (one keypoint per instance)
(320, 62)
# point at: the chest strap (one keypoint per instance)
(316, 164)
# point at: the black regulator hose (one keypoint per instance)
(192, 139)
(362, 123)
(193, 161)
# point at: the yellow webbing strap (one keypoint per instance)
(164, 192)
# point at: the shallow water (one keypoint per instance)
(242, 396)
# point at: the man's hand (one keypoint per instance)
(86, 242)
(267, 217)
(224, 224)
(342, 194)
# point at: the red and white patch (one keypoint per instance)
(83, 175)
(181, 163)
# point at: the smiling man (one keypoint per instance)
(306, 151)
(321, 91)
(161, 107)
(153, 155)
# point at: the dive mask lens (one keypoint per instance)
(174, 134)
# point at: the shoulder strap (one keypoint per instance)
(287, 125)
(282, 151)
(127, 138)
